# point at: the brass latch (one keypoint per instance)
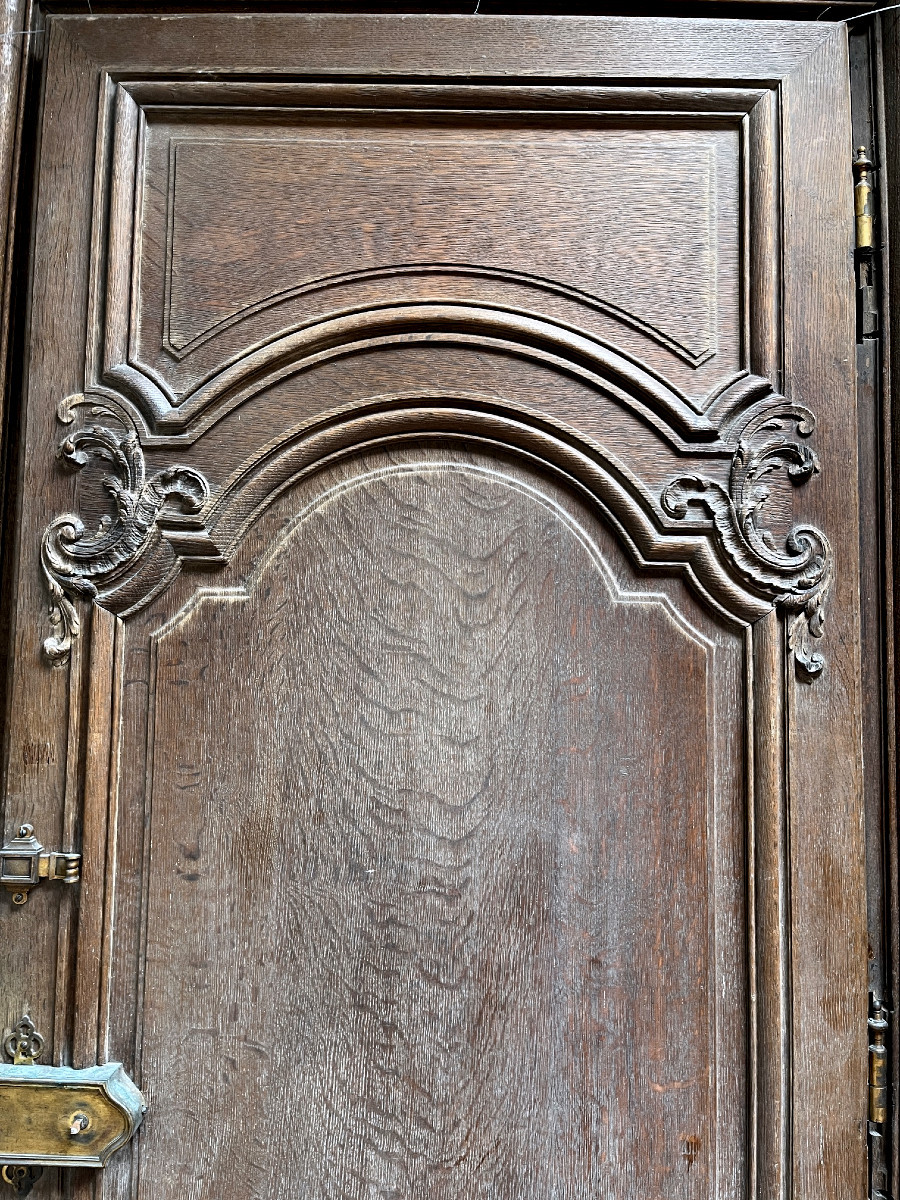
(59, 1116)
(24, 863)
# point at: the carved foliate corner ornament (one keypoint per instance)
(796, 577)
(76, 562)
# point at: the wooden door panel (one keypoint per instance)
(233, 228)
(271, 224)
(464, 451)
(411, 907)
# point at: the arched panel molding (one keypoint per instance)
(712, 530)
(492, 327)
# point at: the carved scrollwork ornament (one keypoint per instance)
(796, 577)
(76, 562)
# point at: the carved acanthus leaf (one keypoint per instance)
(796, 576)
(77, 562)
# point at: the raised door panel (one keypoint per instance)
(272, 223)
(463, 468)
(445, 911)
(234, 228)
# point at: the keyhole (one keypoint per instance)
(78, 1124)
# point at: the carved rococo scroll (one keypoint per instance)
(797, 577)
(76, 562)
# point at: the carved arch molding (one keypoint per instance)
(716, 531)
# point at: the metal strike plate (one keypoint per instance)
(24, 863)
(58, 1116)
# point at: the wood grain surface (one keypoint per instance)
(441, 907)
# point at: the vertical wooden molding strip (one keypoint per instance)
(96, 840)
(770, 885)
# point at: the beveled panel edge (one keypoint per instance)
(525, 334)
(587, 98)
(740, 561)
(423, 270)
(677, 611)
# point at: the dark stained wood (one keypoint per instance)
(826, 834)
(16, 45)
(746, 9)
(889, 96)
(14, 23)
(465, 809)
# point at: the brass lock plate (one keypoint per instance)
(58, 1116)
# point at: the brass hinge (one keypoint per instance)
(878, 1100)
(24, 863)
(867, 306)
(863, 200)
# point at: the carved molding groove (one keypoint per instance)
(796, 577)
(76, 562)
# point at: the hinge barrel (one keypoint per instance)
(866, 257)
(60, 865)
(863, 200)
(878, 1100)
(878, 1066)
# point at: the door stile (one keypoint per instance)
(824, 774)
(888, 116)
(41, 768)
(882, 116)
(876, 551)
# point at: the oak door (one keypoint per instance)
(436, 615)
